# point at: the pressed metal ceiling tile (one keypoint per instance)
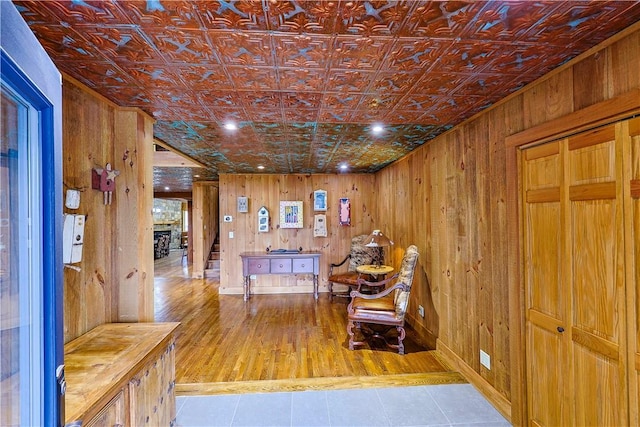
(305, 80)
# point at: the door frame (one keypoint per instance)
(30, 71)
(615, 109)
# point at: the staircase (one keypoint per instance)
(212, 269)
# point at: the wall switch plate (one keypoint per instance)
(421, 311)
(227, 218)
(485, 360)
(231, 234)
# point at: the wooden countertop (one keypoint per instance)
(100, 362)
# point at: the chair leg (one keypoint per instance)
(330, 291)
(350, 331)
(401, 335)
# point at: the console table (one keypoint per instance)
(280, 263)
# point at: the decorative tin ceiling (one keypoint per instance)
(305, 81)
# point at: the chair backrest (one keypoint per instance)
(361, 254)
(405, 275)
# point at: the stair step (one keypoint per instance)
(213, 264)
(216, 247)
(212, 274)
(214, 255)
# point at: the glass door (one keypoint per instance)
(21, 308)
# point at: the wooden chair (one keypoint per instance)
(374, 315)
(359, 254)
(184, 244)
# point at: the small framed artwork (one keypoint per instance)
(320, 200)
(291, 215)
(345, 212)
(243, 204)
(263, 220)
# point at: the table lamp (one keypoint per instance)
(378, 240)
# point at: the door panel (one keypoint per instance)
(599, 399)
(545, 376)
(598, 286)
(544, 302)
(633, 263)
(575, 283)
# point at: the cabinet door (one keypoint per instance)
(112, 415)
(152, 392)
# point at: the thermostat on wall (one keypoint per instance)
(227, 218)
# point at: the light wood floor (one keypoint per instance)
(274, 342)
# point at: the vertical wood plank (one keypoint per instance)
(590, 84)
(117, 256)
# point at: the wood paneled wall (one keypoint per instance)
(204, 222)
(115, 280)
(268, 191)
(452, 195)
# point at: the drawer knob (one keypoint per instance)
(280, 265)
(259, 265)
(302, 265)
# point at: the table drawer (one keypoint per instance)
(282, 265)
(303, 265)
(259, 266)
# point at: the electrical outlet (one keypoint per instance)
(421, 311)
(485, 360)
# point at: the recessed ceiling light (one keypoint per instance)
(260, 167)
(166, 188)
(196, 176)
(377, 128)
(344, 167)
(230, 126)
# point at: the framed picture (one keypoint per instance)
(243, 204)
(263, 220)
(319, 200)
(291, 215)
(345, 212)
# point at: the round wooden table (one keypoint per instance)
(374, 270)
(377, 273)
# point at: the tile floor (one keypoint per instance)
(435, 405)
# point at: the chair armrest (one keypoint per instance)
(379, 295)
(380, 283)
(338, 264)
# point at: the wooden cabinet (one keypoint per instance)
(122, 374)
(152, 394)
(111, 415)
(579, 244)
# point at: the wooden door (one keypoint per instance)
(545, 299)
(575, 280)
(598, 310)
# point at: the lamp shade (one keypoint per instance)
(377, 239)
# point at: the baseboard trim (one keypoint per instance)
(333, 383)
(498, 400)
